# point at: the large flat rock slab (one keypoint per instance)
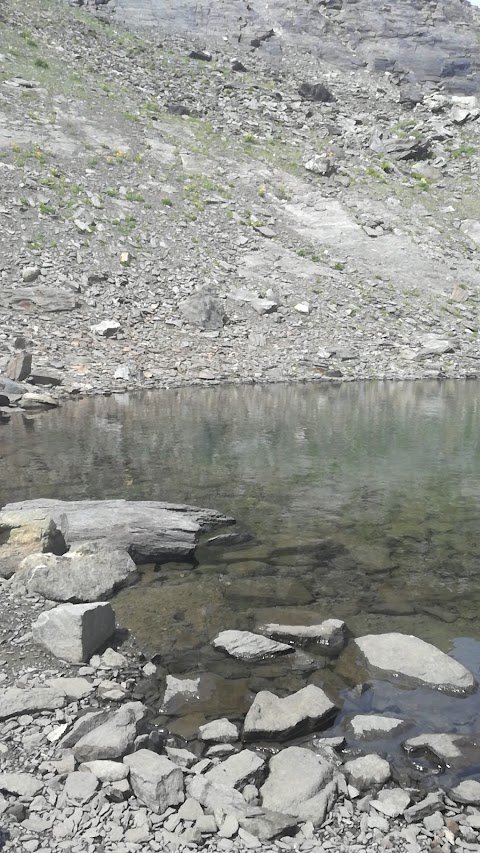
(273, 718)
(149, 530)
(415, 662)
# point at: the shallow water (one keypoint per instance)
(362, 502)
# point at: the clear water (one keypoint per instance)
(362, 501)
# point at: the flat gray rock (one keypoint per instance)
(106, 771)
(264, 824)
(444, 746)
(213, 796)
(295, 776)
(73, 632)
(316, 808)
(247, 646)
(15, 701)
(72, 688)
(238, 770)
(415, 662)
(114, 738)
(391, 802)
(156, 781)
(271, 717)
(367, 771)
(79, 789)
(149, 530)
(373, 725)
(89, 572)
(22, 784)
(467, 792)
(430, 804)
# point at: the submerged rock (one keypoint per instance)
(330, 633)
(415, 662)
(248, 646)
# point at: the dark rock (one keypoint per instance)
(203, 309)
(257, 41)
(203, 55)
(45, 376)
(316, 92)
(19, 367)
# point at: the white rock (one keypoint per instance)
(295, 775)
(218, 731)
(106, 771)
(237, 770)
(391, 802)
(302, 307)
(214, 797)
(367, 771)
(190, 810)
(73, 632)
(111, 659)
(106, 328)
(156, 781)
(30, 274)
(415, 661)
(248, 646)
(272, 717)
(443, 745)
(229, 827)
(371, 725)
(181, 757)
(111, 691)
(178, 691)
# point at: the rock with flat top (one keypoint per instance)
(413, 661)
(295, 776)
(238, 770)
(21, 784)
(466, 792)
(368, 770)
(214, 796)
(218, 731)
(156, 781)
(331, 633)
(73, 632)
(113, 738)
(444, 746)
(80, 788)
(150, 531)
(265, 824)
(106, 771)
(15, 701)
(391, 802)
(374, 725)
(247, 646)
(273, 718)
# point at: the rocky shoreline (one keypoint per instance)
(85, 767)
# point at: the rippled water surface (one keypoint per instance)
(362, 502)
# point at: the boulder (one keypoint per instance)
(214, 796)
(83, 726)
(443, 746)
(25, 533)
(413, 661)
(248, 646)
(155, 780)
(270, 717)
(203, 309)
(15, 701)
(39, 298)
(113, 738)
(73, 632)
(367, 771)
(218, 731)
(316, 808)
(331, 633)
(89, 572)
(19, 367)
(295, 776)
(150, 531)
(238, 770)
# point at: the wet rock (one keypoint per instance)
(178, 691)
(73, 632)
(15, 701)
(114, 738)
(443, 746)
(367, 771)
(238, 770)
(273, 718)
(88, 572)
(295, 776)
(155, 780)
(331, 633)
(415, 661)
(248, 646)
(265, 824)
(38, 400)
(373, 725)
(467, 791)
(260, 592)
(219, 731)
(150, 531)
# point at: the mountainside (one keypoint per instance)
(302, 207)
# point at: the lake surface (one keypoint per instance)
(362, 502)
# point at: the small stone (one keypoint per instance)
(206, 824)
(30, 274)
(302, 307)
(190, 810)
(366, 771)
(106, 328)
(392, 802)
(218, 731)
(467, 791)
(106, 771)
(433, 822)
(229, 827)
(126, 259)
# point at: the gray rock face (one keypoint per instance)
(373, 725)
(270, 717)
(73, 632)
(425, 807)
(248, 646)
(367, 771)
(414, 661)
(39, 298)
(15, 701)
(237, 770)
(295, 776)
(114, 738)
(149, 530)
(83, 726)
(330, 633)
(264, 824)
(155, 780)
(89, 572)
(213, 796)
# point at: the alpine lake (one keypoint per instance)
(358, 502)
